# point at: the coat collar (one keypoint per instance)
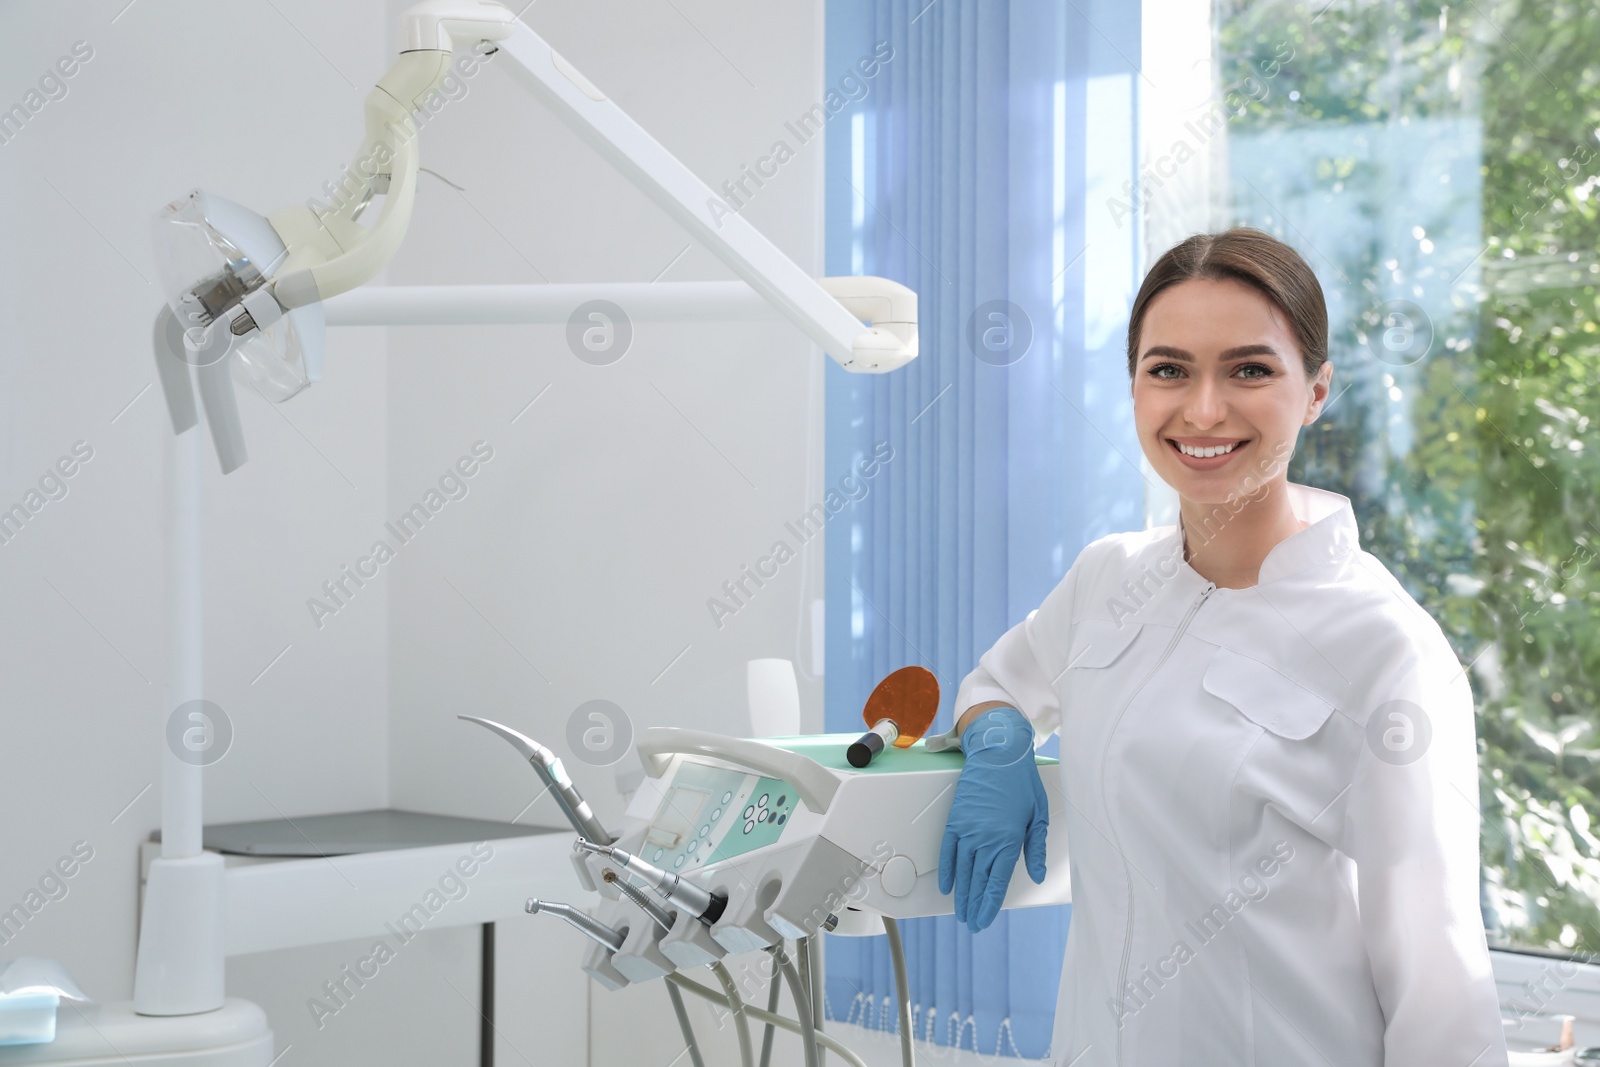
(1330, 534)
(1159, 582)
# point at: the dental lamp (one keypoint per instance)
(246, 292)
(248, 299)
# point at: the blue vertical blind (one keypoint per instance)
(976, 154)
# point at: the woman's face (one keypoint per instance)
(1219, 371)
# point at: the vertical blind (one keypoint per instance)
(977, 153)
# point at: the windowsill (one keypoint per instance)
(1550, 986)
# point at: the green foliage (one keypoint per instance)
(1490, 513)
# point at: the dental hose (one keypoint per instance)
(735, 1005)
(802, 1005)
(663, 918)
(902, 988)
(831, 1043)
(683, 1024)
(772, 1009)
(802, 951)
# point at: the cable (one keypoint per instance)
(730, 992)
(684, 1025)
(802, 1005)
(808, 982)
(902, 987)
(760, 1016)
(817, 954)
(772, 1007)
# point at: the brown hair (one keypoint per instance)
(1257, 259)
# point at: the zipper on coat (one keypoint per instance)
(1116, 840)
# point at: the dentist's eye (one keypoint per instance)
(1160, 371)
(1265, 371)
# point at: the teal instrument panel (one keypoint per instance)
(711, 814)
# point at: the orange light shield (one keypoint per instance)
(909, 697)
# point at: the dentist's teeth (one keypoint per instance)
(1205, 453)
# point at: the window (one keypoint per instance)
(1438, 166)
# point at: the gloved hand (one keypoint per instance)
(999, 809)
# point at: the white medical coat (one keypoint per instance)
(1271, 798)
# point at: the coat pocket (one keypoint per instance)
(1099, 643)
(1267, 698)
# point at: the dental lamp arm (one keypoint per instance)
(329, 252)
(888, 344)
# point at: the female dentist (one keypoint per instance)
(1268, 763)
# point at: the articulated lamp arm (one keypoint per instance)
(329, 251)
(263, 281)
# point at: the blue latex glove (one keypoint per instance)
(999, 810)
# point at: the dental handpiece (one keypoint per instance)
(663, 918)
(594, 928)
(550, 771)
(680, 893)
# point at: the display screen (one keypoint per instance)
(683, 806)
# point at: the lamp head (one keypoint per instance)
(218, 261)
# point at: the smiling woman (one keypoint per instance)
(1246, 680)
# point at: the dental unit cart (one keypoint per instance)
(734, 846)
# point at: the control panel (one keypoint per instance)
(713, 813)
